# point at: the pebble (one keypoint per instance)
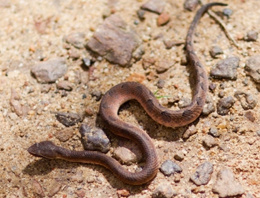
(247, 100)
(189, 132)
(212, 87)
(160, 83)
(49, 71)
(227, 12)
(37, 189)
(179, 156)
(163, 66)
(123, 193)
(94, 139)
(45, 88)
(77, 39)
(209, 142)
(224, 104)
(163, 19)
(68, 119)
(81, 193)
(138, 53)
(156, 6)
(251, 36)
(54, 189)
(203, 174)
(226, 185)
(184, 102)
(253, 67)
(125, 155)
(226, 68)
(164, 190)
(169, 167)
(209, 106)
(190, 4)
(258, 133)
(214, 132)
(141, 14)
(87, 62)
(215, 51)
(64, 135)
(77, 177)
(115, 41)
(97, 94)
(64, 85)
(250, 116)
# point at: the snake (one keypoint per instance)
(123, 92)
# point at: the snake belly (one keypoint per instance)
(119, 94)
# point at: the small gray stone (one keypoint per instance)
(258, 133)
(247, 100)
(215, 50)
(68, 119)
(227, 12)
(115, 41)
(202, 174)
(253, 67)
(208, 107)
(169, 167)
(76, 39)
(214, 132)
(155, 6)
(224, 104)
(49, 71)
(209, 142)
(94, 139)
(226, 68)
(190, 4)
(226, 185)
(251, 36)
(164, 190)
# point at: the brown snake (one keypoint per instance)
(123, 92)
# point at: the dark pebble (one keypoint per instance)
(68, 119)
(224, 105)
(94, 139)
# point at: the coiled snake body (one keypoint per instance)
(123, 92)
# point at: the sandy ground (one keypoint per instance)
(22, 175)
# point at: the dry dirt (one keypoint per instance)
(23, 41)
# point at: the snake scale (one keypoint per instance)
(119, 94)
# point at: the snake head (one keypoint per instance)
(45, 149)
